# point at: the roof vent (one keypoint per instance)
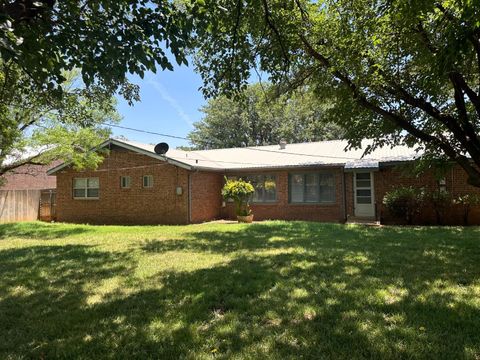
(283, 144)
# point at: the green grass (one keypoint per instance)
(269, 290)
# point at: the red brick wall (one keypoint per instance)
(206, 196)
(282, 209)
(136, 205)
(390, 178)
(29, 177)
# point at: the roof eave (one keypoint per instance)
(128, 147)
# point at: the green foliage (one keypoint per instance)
(396, 71)
(259, 117)
(467, 201)
(106, 39)
(240, 192)
(440, 201)
(404, 202)
(37, 127)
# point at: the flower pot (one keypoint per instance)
(245, 219)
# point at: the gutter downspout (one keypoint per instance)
(189, 197)
(344, 194)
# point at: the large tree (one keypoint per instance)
(38, 127)
(397, 71)
(259, 117)
(106, 39)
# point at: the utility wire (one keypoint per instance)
(247, 148)
(144, 131)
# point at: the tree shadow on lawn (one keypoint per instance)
(38, 230)
(328, 299)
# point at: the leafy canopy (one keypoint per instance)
(38, 127)
(106, 39)
(258, 117)
(397, 71)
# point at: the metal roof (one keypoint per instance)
(322, 153)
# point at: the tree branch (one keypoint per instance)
(473, 172)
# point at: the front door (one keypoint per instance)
(363, 190)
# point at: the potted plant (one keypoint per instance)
(240, 192)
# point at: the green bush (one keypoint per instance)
(404, 202)
(440, 201)
(240, 192)
(467, 201)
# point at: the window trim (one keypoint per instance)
(303, 174)
(86, 188)
(143, 182)
(129, 182)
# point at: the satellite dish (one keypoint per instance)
(161, 149)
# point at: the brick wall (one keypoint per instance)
(136, 205)
(206, 196)
(282, 209)
(387, 179)
(29, 177)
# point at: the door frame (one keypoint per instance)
(372, 192)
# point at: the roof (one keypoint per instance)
(322, 153)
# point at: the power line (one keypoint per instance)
(144, 131)
(248, 148)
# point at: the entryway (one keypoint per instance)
(364, 201)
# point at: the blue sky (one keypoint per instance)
(170, 103)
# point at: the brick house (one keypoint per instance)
(29, 177)
(317, 181)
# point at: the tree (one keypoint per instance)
(397, 71)
(37, 128)
(258, 117)
(106, 39)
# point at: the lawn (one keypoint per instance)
(269, 290)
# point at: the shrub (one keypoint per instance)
(239, 191)
(404, 202)
(467, 201)
(440, 201)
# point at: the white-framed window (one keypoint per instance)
(147, 181)
(86, 188)
(312, 188)
(125, 182)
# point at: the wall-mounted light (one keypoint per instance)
(179, 190)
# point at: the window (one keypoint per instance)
(265, 187)
(85, 188)
(147, 181)
(125, 182)
(312, 188)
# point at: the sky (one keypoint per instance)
(170, 103)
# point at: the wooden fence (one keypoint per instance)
(19, 205)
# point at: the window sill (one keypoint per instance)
(83, 198)
(312, 203)
(264, 203)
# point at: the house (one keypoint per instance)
(317, 181)
(29, 177)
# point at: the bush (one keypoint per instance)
(404, 202)
(239, 191)
(440, 201)
(467, 201)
